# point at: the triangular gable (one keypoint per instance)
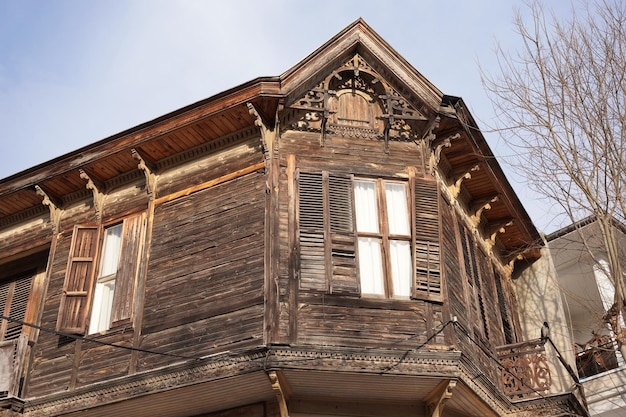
(354, 100)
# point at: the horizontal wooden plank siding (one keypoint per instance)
(205, 276)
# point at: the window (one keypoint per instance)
(383, 227)
(110, 256)
(363, 236)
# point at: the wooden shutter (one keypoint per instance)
(14, 296)
(123, 296)
(344, 275)
(311, 231)
(427, 253)
(326, 230)
(79, 277)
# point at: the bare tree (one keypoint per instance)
(560, 103)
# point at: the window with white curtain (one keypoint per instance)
(105, 283)
(384, 237)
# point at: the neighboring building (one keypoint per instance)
(588, 292)
(335, 241)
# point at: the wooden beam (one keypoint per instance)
(210, 183)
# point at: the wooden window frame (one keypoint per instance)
(75, 310)
(328, 258)
(384, 235)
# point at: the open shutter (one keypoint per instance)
(345, 278)
(127, 270)
(427, 254)
(78, 280)
(311, 228)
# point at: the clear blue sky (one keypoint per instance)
(73, 72)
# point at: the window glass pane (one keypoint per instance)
(365, 206)
(397, 209)
(371, 266)
(111, 250)
(401, 267)
(102, 303)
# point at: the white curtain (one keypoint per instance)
(397, 209)
(365, 206)
(371, 266)
(105, 286)
(111, 250)
(102, 305)
(401, 267)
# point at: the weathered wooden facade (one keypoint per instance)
(334, 241)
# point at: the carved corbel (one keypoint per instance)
(429, 133)
(459, 175)
(54, 206)
(149, 171)
(97, 189)
(279, 386)
(437, 398)
(268, 133)
(496, 228)
(437, 146)
(478, 206)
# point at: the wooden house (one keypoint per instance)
(334, 241)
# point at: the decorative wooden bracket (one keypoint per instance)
(459, 175)
(437, 146)
(268, 133)
(437, 398)
(98, 192)
(280, 390)
(429, 133)
(495, 228)
(54, 206)
(478, 206)
(149, 171)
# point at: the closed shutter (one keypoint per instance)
(326, 230)
(79, 277)
(427, 253)
(311, 228)
(127, 270)
(14, 301)
(344, 278)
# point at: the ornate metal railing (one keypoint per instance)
(525, 372)
(12, 358)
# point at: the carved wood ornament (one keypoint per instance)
(355, 101)
(149, 171)
(53, 204)
(97, 189)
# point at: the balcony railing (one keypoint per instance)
(12, 357)
(525, 372)
(597, 356)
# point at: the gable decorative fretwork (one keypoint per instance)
(354, 101)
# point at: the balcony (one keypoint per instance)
(12, 359)
(524, 373)
(596, 356)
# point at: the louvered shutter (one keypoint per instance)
(344, 276)
(79, 277)
(326, 229)
(127, 270)
(427, 254)
(14, 301)
(311, 231)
